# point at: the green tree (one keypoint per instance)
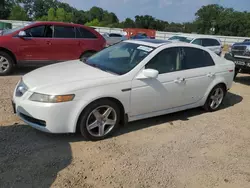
(5, 8)
(94, 22)
(208, 17)
(95, 13)
(18, 13)
(59, 15)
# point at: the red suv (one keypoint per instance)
(47, 42)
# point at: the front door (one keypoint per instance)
(33, 47)
(164, 92)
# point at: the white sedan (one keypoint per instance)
(129, 81)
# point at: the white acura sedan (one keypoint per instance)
(131, 80)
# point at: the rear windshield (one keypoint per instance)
(181, 38)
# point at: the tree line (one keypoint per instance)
(210, 19)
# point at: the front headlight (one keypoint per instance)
(38, 97)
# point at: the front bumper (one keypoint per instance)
(47, 117)
(246, 65)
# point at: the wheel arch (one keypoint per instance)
(124, 116)
(212, 85)
(10, 53)
(87, 51)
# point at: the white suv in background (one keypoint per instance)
(213, 44)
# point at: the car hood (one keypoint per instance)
(63, 73)
(241, 43)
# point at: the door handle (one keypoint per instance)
(48, 42)
(179, 80)
(210, 75)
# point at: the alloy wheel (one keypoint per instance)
(4, 64)
(216, 98)
(101, 121)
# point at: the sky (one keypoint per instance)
(168, 10)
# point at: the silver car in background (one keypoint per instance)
(113, 38)
(211, 43)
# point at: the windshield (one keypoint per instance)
(9, 31)
(181, 38)
(120, 58)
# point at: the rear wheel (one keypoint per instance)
(6, 63)
(215, 98)
(99, 120)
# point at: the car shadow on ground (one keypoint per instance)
(230, 100)
(243, 80)
(29, 158)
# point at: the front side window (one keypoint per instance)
(197, 41)
(36, 32)
(165, 61)
(119, 58)
(64, 32)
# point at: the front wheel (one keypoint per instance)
(99, 120)
(215, 98)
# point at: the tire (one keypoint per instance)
(236, 72)
(87, 55)
(6, 64)
(94, 115)
(208, 106)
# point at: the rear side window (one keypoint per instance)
(64, 32)
(84, 33)
(114, 35)
(210, 42)
(192, 58)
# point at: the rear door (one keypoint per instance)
(198, 69)
(64, 44)
(87, 41)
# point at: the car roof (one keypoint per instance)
(149, 42)
(156, 43)
(197, 36)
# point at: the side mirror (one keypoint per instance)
(148, 73)
(22, 34)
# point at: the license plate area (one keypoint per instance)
(242, 63)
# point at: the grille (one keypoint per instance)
(239, 50)
(33, 120)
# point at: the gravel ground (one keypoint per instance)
(187, 149)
